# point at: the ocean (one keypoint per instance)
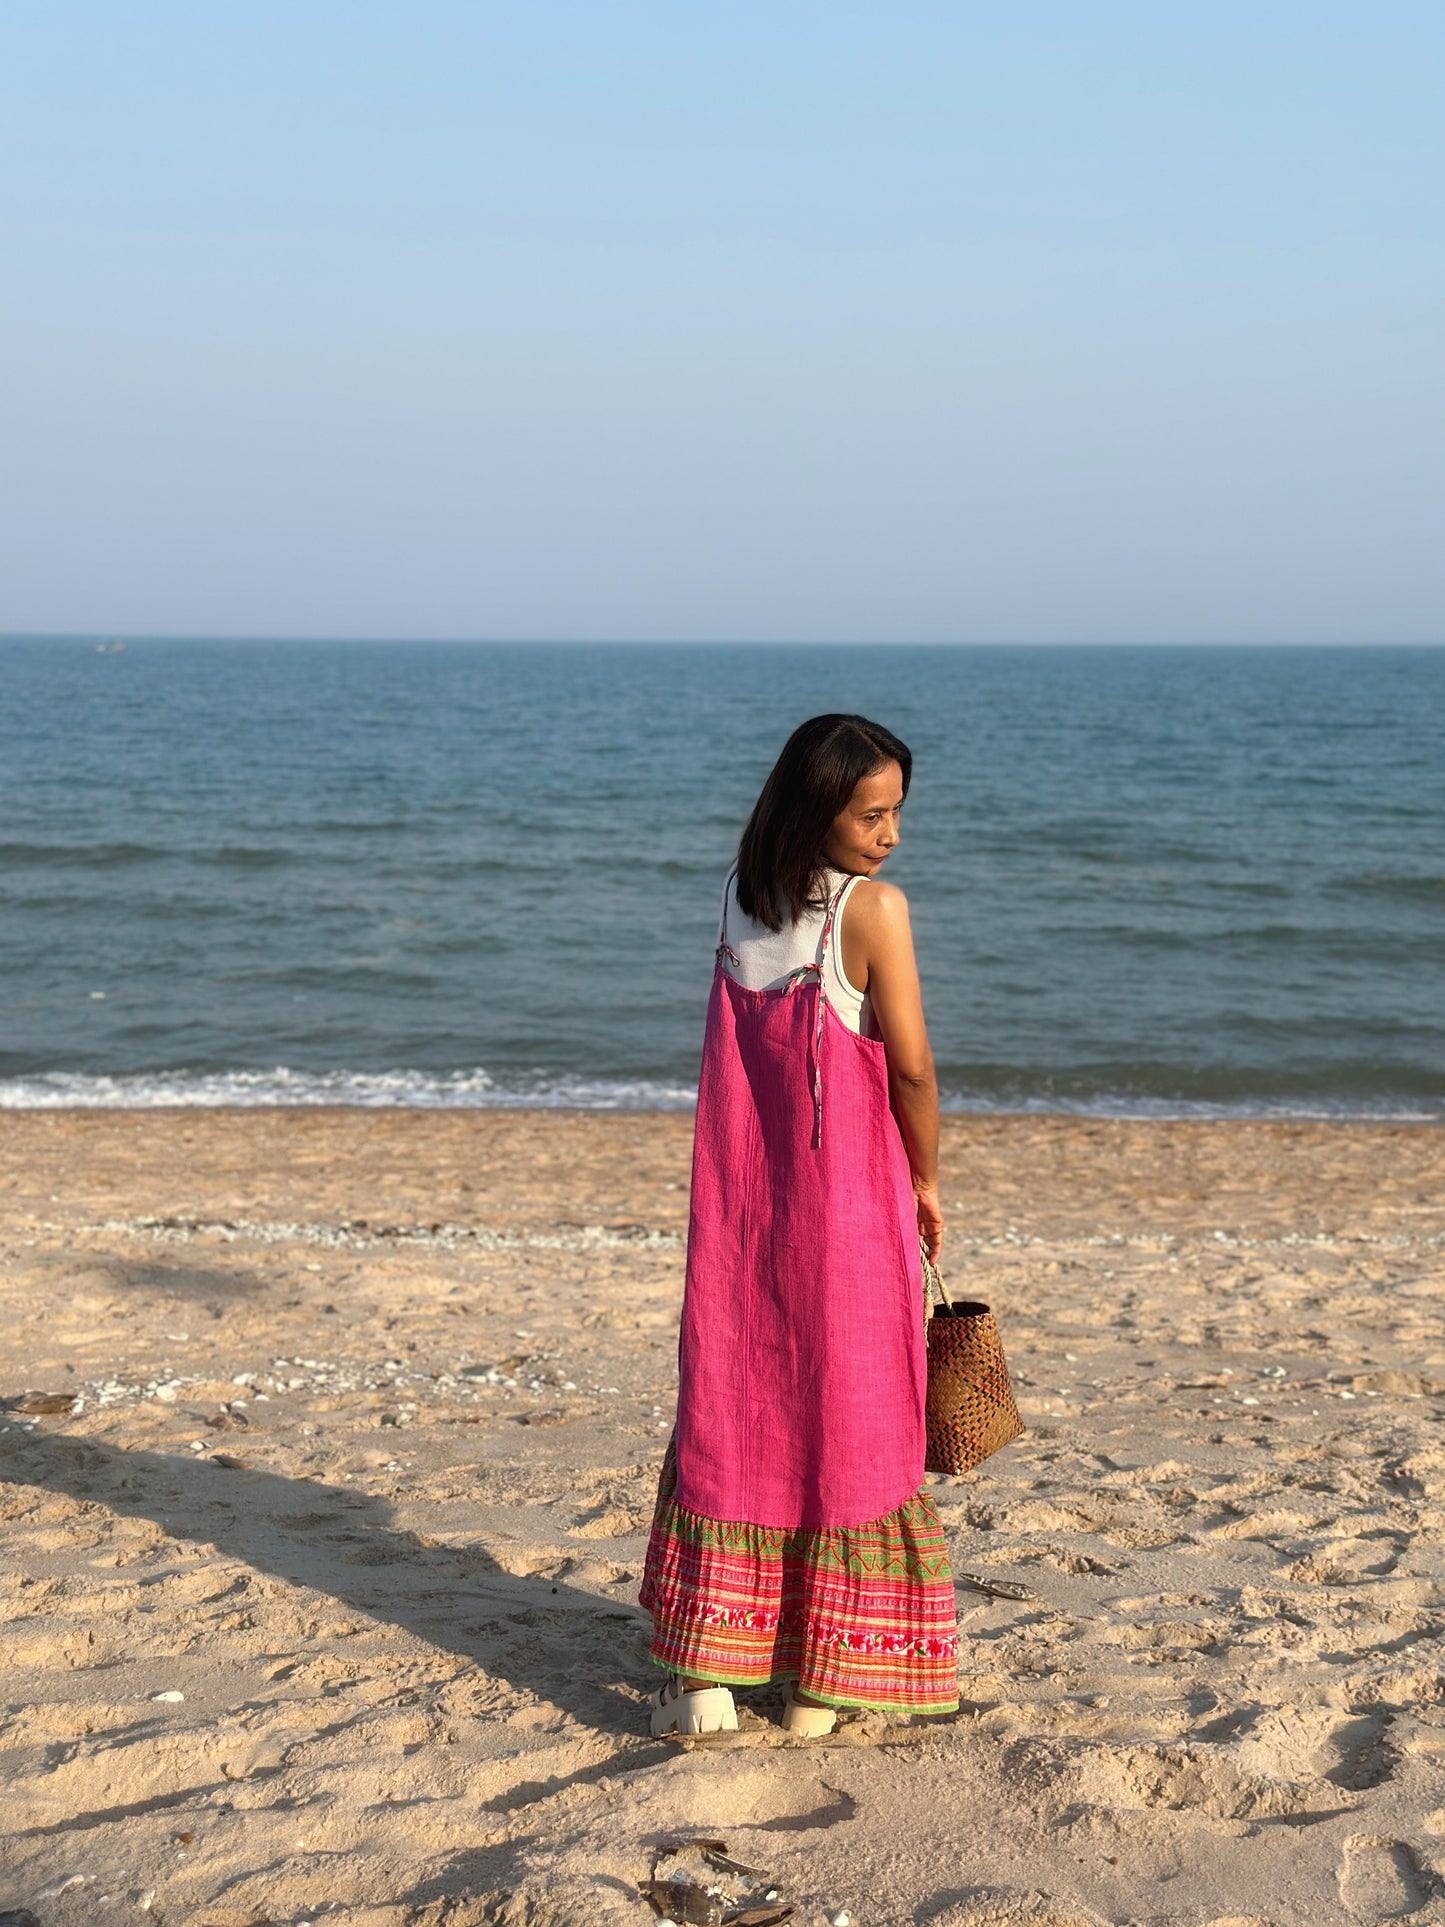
(1144, 881)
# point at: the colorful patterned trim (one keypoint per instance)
(861, 1616)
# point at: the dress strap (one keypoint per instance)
(724, 952)
(828, 921)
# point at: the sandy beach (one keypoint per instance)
(321, 1543)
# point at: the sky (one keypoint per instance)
(804, 320)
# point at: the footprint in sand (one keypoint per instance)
(1380, 1878)
(1201, 1778)
(608, 1523)
(992, 1908)
(1296, 1743)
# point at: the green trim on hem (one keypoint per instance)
(930, 1709)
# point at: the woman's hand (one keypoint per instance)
(930, 1216)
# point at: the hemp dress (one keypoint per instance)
(791, 1537)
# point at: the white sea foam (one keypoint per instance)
(477, 1089)
(373, 1090)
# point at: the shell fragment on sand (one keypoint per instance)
(995, 1588)
(39, 1404)
(693, 1898)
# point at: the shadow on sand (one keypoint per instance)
(540, 1636)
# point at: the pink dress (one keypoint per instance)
(802, 1364)
(791, 1536)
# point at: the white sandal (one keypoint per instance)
(709, 1709)
(807, 1722)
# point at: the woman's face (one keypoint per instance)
(866, 828)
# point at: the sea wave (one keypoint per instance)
(477, 1089)
(372, 1090)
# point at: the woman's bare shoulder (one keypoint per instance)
(877, 905)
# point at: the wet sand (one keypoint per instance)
(319, 1575)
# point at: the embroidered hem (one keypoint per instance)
(859, 1615)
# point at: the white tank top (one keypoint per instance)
(767, 958)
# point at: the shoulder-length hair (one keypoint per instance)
(780, 857)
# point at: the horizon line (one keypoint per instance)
(115, 637)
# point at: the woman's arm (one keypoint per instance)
(878, 956)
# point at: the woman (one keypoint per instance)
(791, 1539)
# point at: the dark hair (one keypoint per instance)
(780, 856)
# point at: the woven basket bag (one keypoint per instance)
(971, 1410)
